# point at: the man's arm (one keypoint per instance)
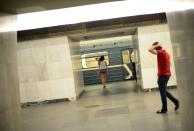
(153, 49)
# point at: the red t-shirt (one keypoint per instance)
(163, 59)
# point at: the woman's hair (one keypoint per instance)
(101, 58)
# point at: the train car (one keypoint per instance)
(118, 58)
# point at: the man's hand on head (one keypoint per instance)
(153, 49)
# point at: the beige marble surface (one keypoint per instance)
(182, 30)
(9, 85)
(77, 67)
(45, 69)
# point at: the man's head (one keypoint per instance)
(159, 47)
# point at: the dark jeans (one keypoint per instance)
(162, 83)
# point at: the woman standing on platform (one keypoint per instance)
(103, 70)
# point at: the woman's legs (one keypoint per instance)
(103, 79)
(105, 76)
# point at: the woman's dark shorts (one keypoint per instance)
(103, 71)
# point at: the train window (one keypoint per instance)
(126, 56)
(91, 62)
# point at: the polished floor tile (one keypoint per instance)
(119, 107)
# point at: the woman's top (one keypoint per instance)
(102, 65)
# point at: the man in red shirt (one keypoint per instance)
(163, 60)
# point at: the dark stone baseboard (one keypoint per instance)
(28, 104)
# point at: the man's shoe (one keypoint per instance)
(161, 112)
(176, 106)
